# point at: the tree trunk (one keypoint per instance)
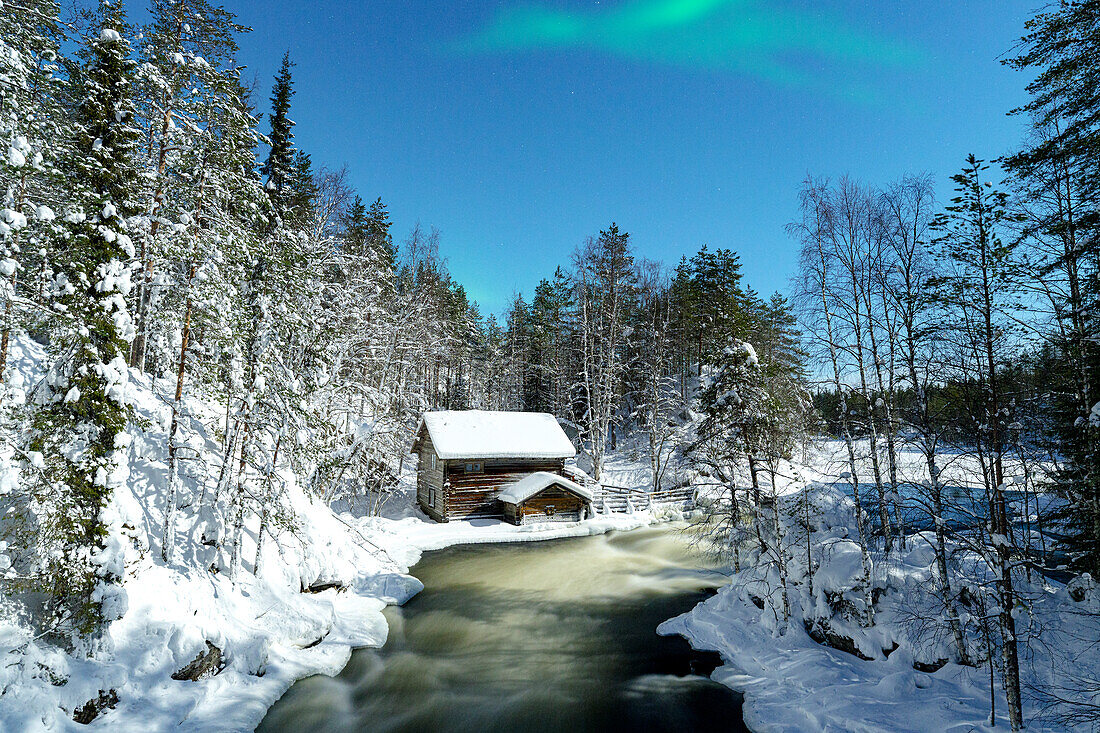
(168, 550)
(265, 513)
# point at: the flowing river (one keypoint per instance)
(538, 636)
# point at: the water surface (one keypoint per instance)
(538, 636)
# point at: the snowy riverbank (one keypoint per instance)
(271, 634)
(822, 670)
(268, 631)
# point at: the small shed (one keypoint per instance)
(545, 497)
(466, 458)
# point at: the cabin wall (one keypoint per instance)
(428, 478)
(474, 494)
(567, 507)
(511, 514)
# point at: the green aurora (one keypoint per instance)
(754, 37)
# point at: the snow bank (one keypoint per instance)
(416, 533)
(824, 670)
(793, 684)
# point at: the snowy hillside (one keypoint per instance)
(266, 630)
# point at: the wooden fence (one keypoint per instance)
(610, 499)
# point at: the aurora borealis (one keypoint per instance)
(766, 40)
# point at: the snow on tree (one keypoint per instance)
(80, 410)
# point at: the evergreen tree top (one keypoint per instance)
(279, 166)
(106, 134)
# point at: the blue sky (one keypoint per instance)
(519, 129)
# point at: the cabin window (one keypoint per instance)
(431, 496)
(433, 461)
(474, 467)
(549, 510)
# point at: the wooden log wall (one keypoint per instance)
(567, 507)
(428, 477)
(473, 495)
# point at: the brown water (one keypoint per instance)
(540, 636)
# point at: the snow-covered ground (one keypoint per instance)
(792, 682)
(270, 632)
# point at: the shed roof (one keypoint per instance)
(465, 434)
(528, 486)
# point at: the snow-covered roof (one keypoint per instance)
(464, 434)
(528, 486)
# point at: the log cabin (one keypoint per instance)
(544, 497)
(468, 459)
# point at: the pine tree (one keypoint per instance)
(1058, 173)
(977, 290)
(180, 82)
(203, 204)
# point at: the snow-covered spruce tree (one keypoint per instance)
(717, 455)
(378, 239)
(759, 411)
(80, 414)
(977, 289)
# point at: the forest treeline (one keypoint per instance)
(161, 222)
